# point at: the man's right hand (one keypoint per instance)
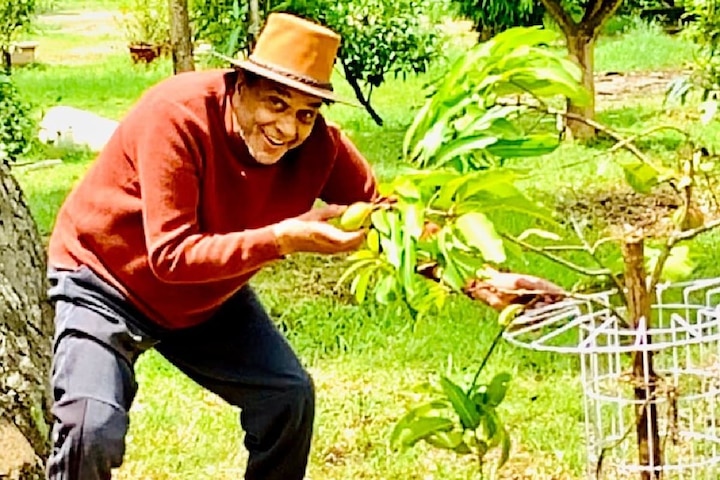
(315, 236)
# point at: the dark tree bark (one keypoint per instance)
(180, 37)
(580, 37)
(25, 339)
(644, 376)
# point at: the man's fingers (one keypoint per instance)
(324, 213)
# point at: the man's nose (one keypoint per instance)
(287, 127)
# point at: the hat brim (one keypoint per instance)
(285, 80)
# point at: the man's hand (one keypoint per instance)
(310, 232)
(500, 289)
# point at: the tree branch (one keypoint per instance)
(359, 94)
(566, 263)
(670, 244)
(558, 13)
(601, 11)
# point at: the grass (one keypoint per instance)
(365, 358)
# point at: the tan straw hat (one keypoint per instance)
(294, 52)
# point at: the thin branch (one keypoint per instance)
(566, 263)
(625, 141)
(591, 251)
(601, 128)
(674, 240)
(564, 20)
(359, 94)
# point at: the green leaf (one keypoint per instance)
(360, 284)
(640, 175)
(497, 388)
(353, 269)
(385, 291)
(462, 146)
(418, 429)
(530, 146)
(463, 406)
(505, 446)
(452, 440)
(380, 221)
(479, 232)
(406, 189)
(678, 266)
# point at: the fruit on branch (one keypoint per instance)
(356, 216)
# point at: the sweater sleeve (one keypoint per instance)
(169, 164)
(351, 179)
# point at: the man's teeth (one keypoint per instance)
(274, 141)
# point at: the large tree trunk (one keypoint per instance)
(180, 37)
(25, 339)
(580, 37)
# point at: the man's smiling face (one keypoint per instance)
(273, 118)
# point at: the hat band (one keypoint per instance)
(292, 75)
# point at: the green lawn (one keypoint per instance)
(365, 358)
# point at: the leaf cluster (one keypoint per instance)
(466, 422)
(491, 17)
(472, 118)
(15, 15)
(379, 37)
(146, 22)
(16, 125)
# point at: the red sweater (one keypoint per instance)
(175, 213)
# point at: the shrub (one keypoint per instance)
(16, 125)
(14, 16)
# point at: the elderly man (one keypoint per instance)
(210, 177)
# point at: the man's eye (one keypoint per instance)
(277, 104)
(307, 117)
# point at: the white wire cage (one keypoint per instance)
(662, 376)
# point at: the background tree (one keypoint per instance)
(25, 336)
(581, 24)
(180, 37)
(14, 16)
(380, 37)
(491, 17)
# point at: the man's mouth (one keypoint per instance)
(275, 142)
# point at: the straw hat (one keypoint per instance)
(296, 53)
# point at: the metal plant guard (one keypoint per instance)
(684, 338)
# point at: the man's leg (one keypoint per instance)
(241, 356)
(93, 386)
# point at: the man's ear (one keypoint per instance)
(241, 79)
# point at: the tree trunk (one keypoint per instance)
(644, 377)
(580, 37)
(25, 339)
(180, 37)
(582, 50)
(254, 27)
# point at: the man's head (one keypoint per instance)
(283, 83)
(272, 118)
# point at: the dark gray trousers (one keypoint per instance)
(238, 354)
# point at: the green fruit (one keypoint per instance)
(356, 216)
